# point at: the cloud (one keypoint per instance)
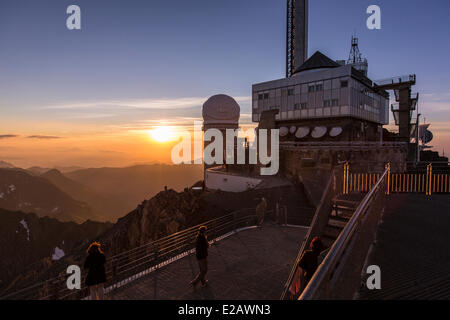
(41, 137)
(7, 136)
(130, 104)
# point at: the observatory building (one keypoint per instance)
(323, 100)
(327, 112)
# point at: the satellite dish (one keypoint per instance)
(426, 137)
(335, 131)
(318, 132)
(284, 131)
(302, 132)
(292, 129)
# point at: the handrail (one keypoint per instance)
(130, 264)
(341, 243)
(315, 223)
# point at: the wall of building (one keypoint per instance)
(371, 159)
(320, 94)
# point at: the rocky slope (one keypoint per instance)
(30, 245)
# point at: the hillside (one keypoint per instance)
(21, 191)
(39, 170)
(29, 245)
(131, 185)
(108, 208)
(4, 164)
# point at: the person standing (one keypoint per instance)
(201, 252)
(261, 211)
(310, 260)
(95, 264)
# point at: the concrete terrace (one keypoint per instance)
(251, 265)
(412, 249)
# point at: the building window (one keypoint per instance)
(303, 105)
(260, 96)
(319, 87)
(335, 102)
(290, 92)
(311, 88)
(344, 84)
(296, 106)
(266, 96)
(326, 103)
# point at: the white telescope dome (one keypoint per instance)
(221, 109)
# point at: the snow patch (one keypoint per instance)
(55, 209)
(25, 225)
(12, 188)
(2, 195)
(58, 254)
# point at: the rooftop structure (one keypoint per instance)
(324, 93)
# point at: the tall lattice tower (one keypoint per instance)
(296, 35)
(355, 58)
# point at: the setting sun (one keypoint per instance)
(162, 134)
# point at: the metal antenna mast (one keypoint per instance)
(296, 34)
(355, 55)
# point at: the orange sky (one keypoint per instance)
(121, 148)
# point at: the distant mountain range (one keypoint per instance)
(40, 170)
(21, 191)
(131, 185)
(100, 194)
(107, 208)
(4, 164)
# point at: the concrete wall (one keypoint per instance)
(229, 182)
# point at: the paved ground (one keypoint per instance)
(250, 265)
(413, 249)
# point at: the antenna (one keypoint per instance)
(355, 59)
(296, 34)
(355, 55)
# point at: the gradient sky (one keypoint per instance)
(89, 97)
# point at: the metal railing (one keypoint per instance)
(132, 264)
(322, 284)
(428, 183)
(396, 80)
(320, 220)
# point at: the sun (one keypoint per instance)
(162, 134)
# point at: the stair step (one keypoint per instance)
(337, 222)
(344, 208)
(332, 232)
(334, 215)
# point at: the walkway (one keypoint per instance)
(251, 265)
(412, 249)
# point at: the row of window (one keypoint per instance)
(302, 106)
(331, 103)
(311, 88)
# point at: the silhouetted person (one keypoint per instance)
(201, 252)
(95, 263)
(309, 260)
(261, 211)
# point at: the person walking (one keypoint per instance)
(201, 252)
(95, 264)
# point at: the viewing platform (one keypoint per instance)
(412, 249)
(250, 265)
